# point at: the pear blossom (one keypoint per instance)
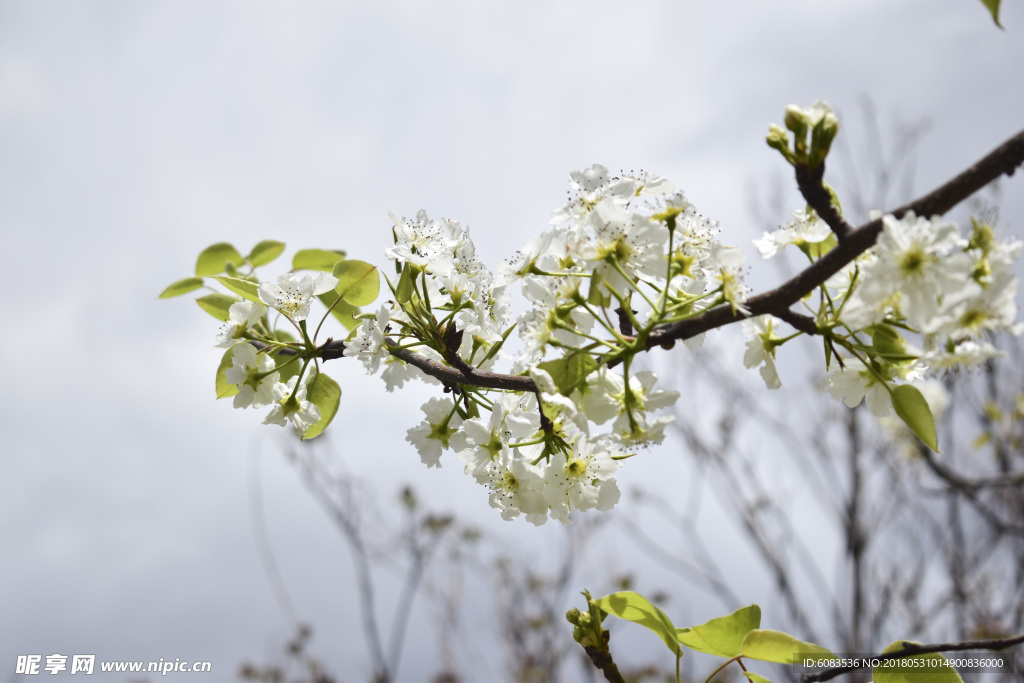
(581, 480)
(293, 293)
(242, 315)
(912, 258)
(434, 434)
(291, 404)
(368, 344)
(517, 487)
(803, 232)
(423, 242)
(761, 343)
(855, 383)
(245, 372)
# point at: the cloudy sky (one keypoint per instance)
(133, 134)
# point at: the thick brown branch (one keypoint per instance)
(914, 649)
(820, 199)
(448, 375)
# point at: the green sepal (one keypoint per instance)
(217, 305)
(404, 290)
(722, 636)
(569, 371)
(915, 413)
(183, 286)
(225, 389)
(214, 259)
(325, 394)
(344, 311)
(993, 8)
(243, 288)
(634, 607)
(358, 282)
(776, 646)
(265, 252)
(316, 259)
(892, 672)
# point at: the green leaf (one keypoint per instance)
(756, 678)
(243, 288)
(216, 304)
(316, 259)
(214, 259)
(404, 290)
(265, 252)
(776, 646)
(325, 393)
(993, 8)
(914, 411)
(189, 284)
(223, 388)
(358, 282)
(929, 668)
(344, 311)
(722, 636)
(570, 371)
(638, 609)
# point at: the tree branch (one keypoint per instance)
(1003, 160)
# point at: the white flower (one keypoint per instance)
(974, 310)
(855, 382)
(965, 354)
(424, 242)
(245, 373)
(606, 399)
(516, 488)
(434, 434)
(581, 481)
(368, 344)
(241, 317)
(913, 259)
(761, 343)
(588, 187)
(291, 404)
(293, 293)
(802, 232)
(727, 264)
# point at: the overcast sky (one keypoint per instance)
(134, 134)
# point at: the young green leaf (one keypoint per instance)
(316, 259)
(570, 371)
(932, 667)
(993, 8)
(404, 290)
(344, 311)
(184, 286)
(325, 393)
(914, 411)
(216, 304)
(722, 636)
(223, 388)
(358, 282)
(755, 678)
(638, 609)
(776, 646)
(265, 252)
(214, 259)
(243, 288)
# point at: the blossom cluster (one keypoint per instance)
(922, 280)
(625, 256)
